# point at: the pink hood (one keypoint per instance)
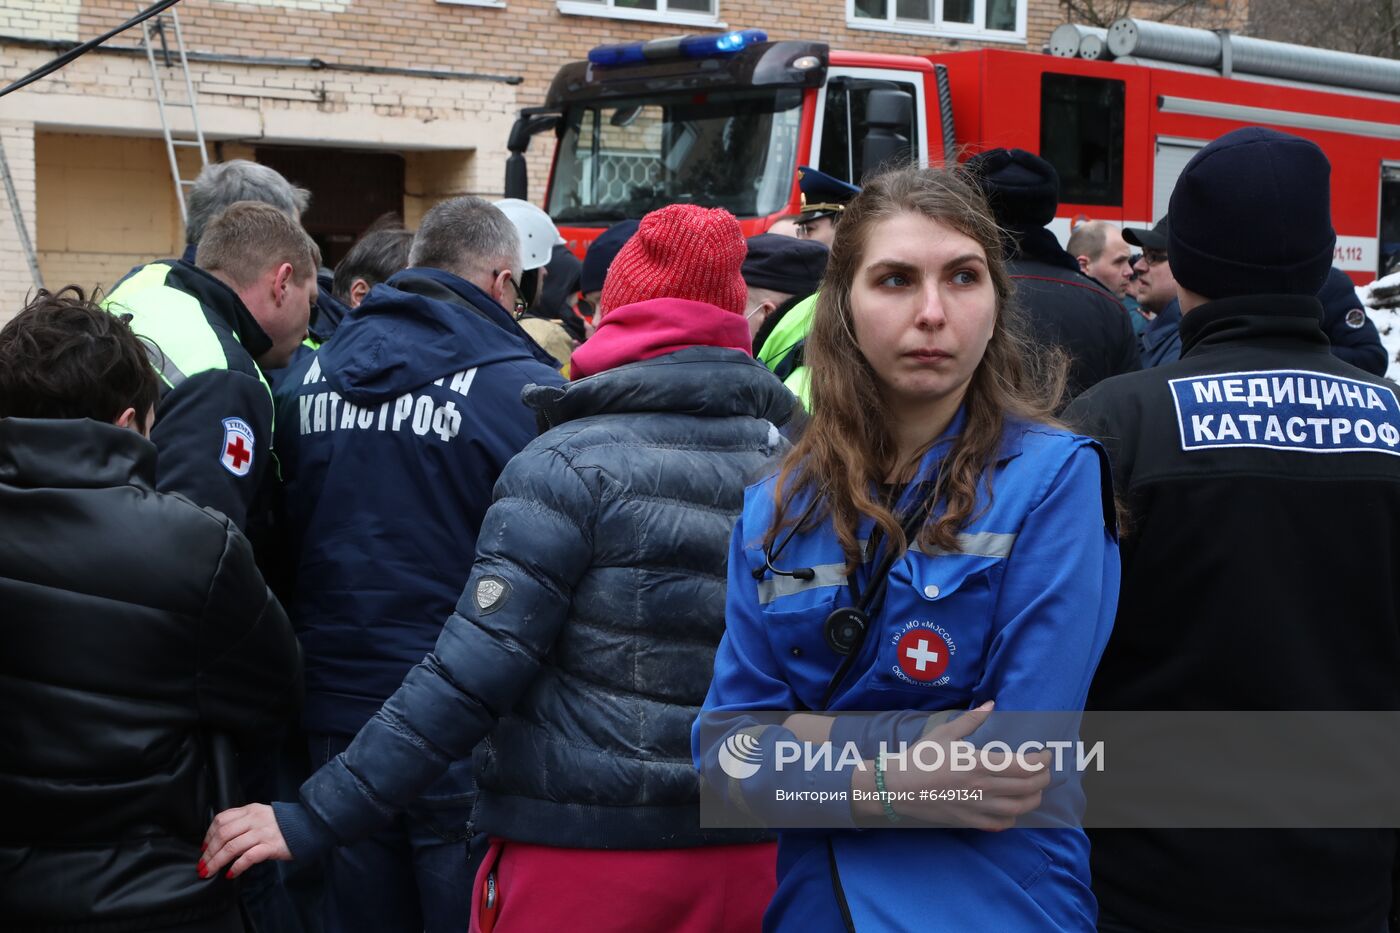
(652, 328)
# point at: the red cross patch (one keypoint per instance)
(922, 654)
(236, 453)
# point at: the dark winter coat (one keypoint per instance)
(329, 310)
(140, 642)
(584, 641)
(1353, 335)
(1066, 308)
(560, 285)
(1350, 331)
(1161, 342)
(1259, 574)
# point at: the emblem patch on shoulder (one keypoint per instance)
(1356, 318)
(491, 594)
(236, 454)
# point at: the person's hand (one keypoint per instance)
(241, 838)
(810, 727)
(1005, 793)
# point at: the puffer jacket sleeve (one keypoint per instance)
(249, 679)
(746, 675)
(535, 544)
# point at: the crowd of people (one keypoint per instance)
(389, 597)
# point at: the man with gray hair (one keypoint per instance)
(391, 436)
(223, 183)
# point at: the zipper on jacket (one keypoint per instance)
(838, 890)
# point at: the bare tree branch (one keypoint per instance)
(1367, 27)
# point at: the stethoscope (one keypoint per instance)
(846, 627)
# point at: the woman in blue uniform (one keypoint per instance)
(935, 541)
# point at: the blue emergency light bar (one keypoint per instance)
(635, 53)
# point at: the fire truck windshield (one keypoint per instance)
(732, 149)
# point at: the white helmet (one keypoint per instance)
(538, 235)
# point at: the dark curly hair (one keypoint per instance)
(64, 357)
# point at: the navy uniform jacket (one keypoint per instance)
(1019, 616)
(1353, 335)
(391, 436)
(1161, 341)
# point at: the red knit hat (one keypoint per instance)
(680, 251)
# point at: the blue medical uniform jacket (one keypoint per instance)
(1022, 616)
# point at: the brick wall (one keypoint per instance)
(530, 38)
(449, 116)
(40, 19)
(527, 39)
(15, 279)
(108, 204)
(94, 198)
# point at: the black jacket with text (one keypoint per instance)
(1262, 475)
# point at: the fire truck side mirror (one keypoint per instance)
(888, 115)
(531, 121)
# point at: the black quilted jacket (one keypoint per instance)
(142, 650)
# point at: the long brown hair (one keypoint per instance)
(847, 447)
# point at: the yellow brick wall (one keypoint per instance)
(80, 220)
(106, 203)
(525, 37)
(430, 177)
(98, 191)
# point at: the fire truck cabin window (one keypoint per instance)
(867, 124)
(731, 149)
(1081, 134)
(1390, 220)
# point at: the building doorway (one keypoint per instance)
(350, 189)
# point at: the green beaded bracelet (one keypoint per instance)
(885, 802)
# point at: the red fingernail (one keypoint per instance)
(203, 846)
(229, 873)
(203, 869)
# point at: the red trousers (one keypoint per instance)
(524, 888)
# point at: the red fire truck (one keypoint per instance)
(724, 121)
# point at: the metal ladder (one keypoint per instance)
(31, 257)
(156, 27)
